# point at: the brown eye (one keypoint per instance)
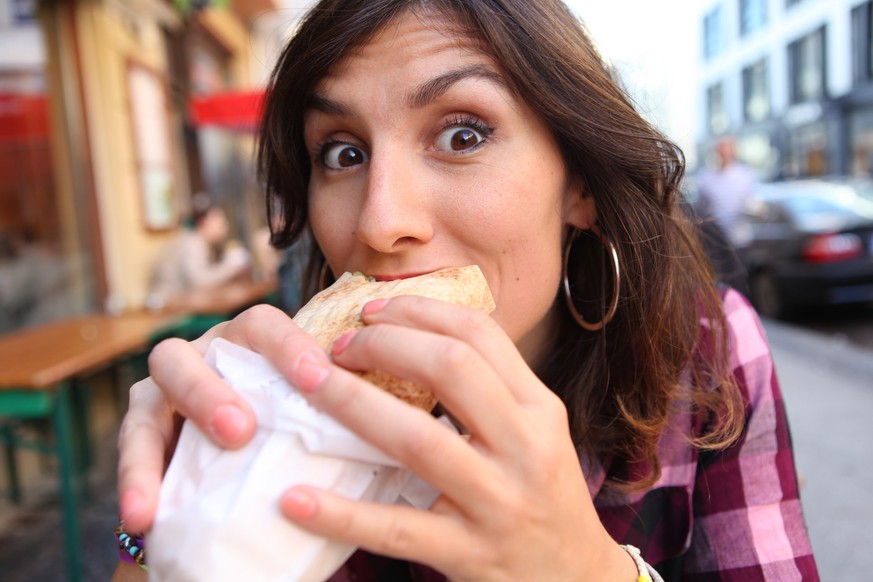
(339, 156)
(459, 139)
(464, 139)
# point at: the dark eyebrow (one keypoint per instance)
(436, 87)
(325, 105)
(426, 93)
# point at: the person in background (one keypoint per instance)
(723, 194)
(35, 281)
(199, 257)
(618, 407)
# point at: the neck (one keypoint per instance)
(534, 346)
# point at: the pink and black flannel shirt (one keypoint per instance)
(731, 514)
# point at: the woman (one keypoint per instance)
(189, 263)
(409, 135)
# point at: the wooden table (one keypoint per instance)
(208, 307)
(227, 299)
(37, 369)
(40, 357)
(39, 366)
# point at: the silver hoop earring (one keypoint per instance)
(616, 273)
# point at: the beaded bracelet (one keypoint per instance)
(646, 572)
(131, 548)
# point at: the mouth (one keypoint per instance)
(385, 277)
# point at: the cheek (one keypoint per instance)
(519, 235)
(317, 219)
(326, 225)
(524, 303)
(530, 274)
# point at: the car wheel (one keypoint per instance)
(766, 296)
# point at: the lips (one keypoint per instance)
(383, 277)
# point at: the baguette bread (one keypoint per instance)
(337, 310)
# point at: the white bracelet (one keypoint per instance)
(647, 573)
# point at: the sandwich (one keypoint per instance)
(337, 310)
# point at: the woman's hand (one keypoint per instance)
(183, 386)
(514, 503)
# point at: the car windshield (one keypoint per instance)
(828, 207)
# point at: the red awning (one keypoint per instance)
(238, 110)
(23, 117)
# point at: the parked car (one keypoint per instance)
(812, 245)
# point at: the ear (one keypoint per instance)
(580, 210)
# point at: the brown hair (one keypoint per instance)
(621, 384)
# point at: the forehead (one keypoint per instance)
(414, 40)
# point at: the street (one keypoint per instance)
(852, 323)
(828, 391)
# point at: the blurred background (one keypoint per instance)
(116, 115)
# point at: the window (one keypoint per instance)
(753, 15)
(713, 33)
(806, 62)
(23, 11)
(862, 45)
(756, 94)
(715, 109)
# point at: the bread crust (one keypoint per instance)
(337, 310)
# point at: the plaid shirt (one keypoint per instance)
(732, 514)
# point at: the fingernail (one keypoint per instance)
(230, 423)
(374, 306)
(311, 372)
(342, 342)
(298, 504)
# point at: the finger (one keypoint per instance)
(401, 532)
(198, 393)
(271, 333)
(202, 342)
(433, 451)
(470, 325)
(466, 384)
(144, 437)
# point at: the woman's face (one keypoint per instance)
(422, 158)
(214, 227)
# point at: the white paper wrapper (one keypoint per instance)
(218, 516)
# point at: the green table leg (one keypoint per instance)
(11, 463)
(57, 406)
(80, 397)
(64, 435)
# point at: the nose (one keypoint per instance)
(396, 210)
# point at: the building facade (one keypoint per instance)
(99, 156)
(792, 81)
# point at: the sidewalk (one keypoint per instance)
(829, 395)
(31, 542)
